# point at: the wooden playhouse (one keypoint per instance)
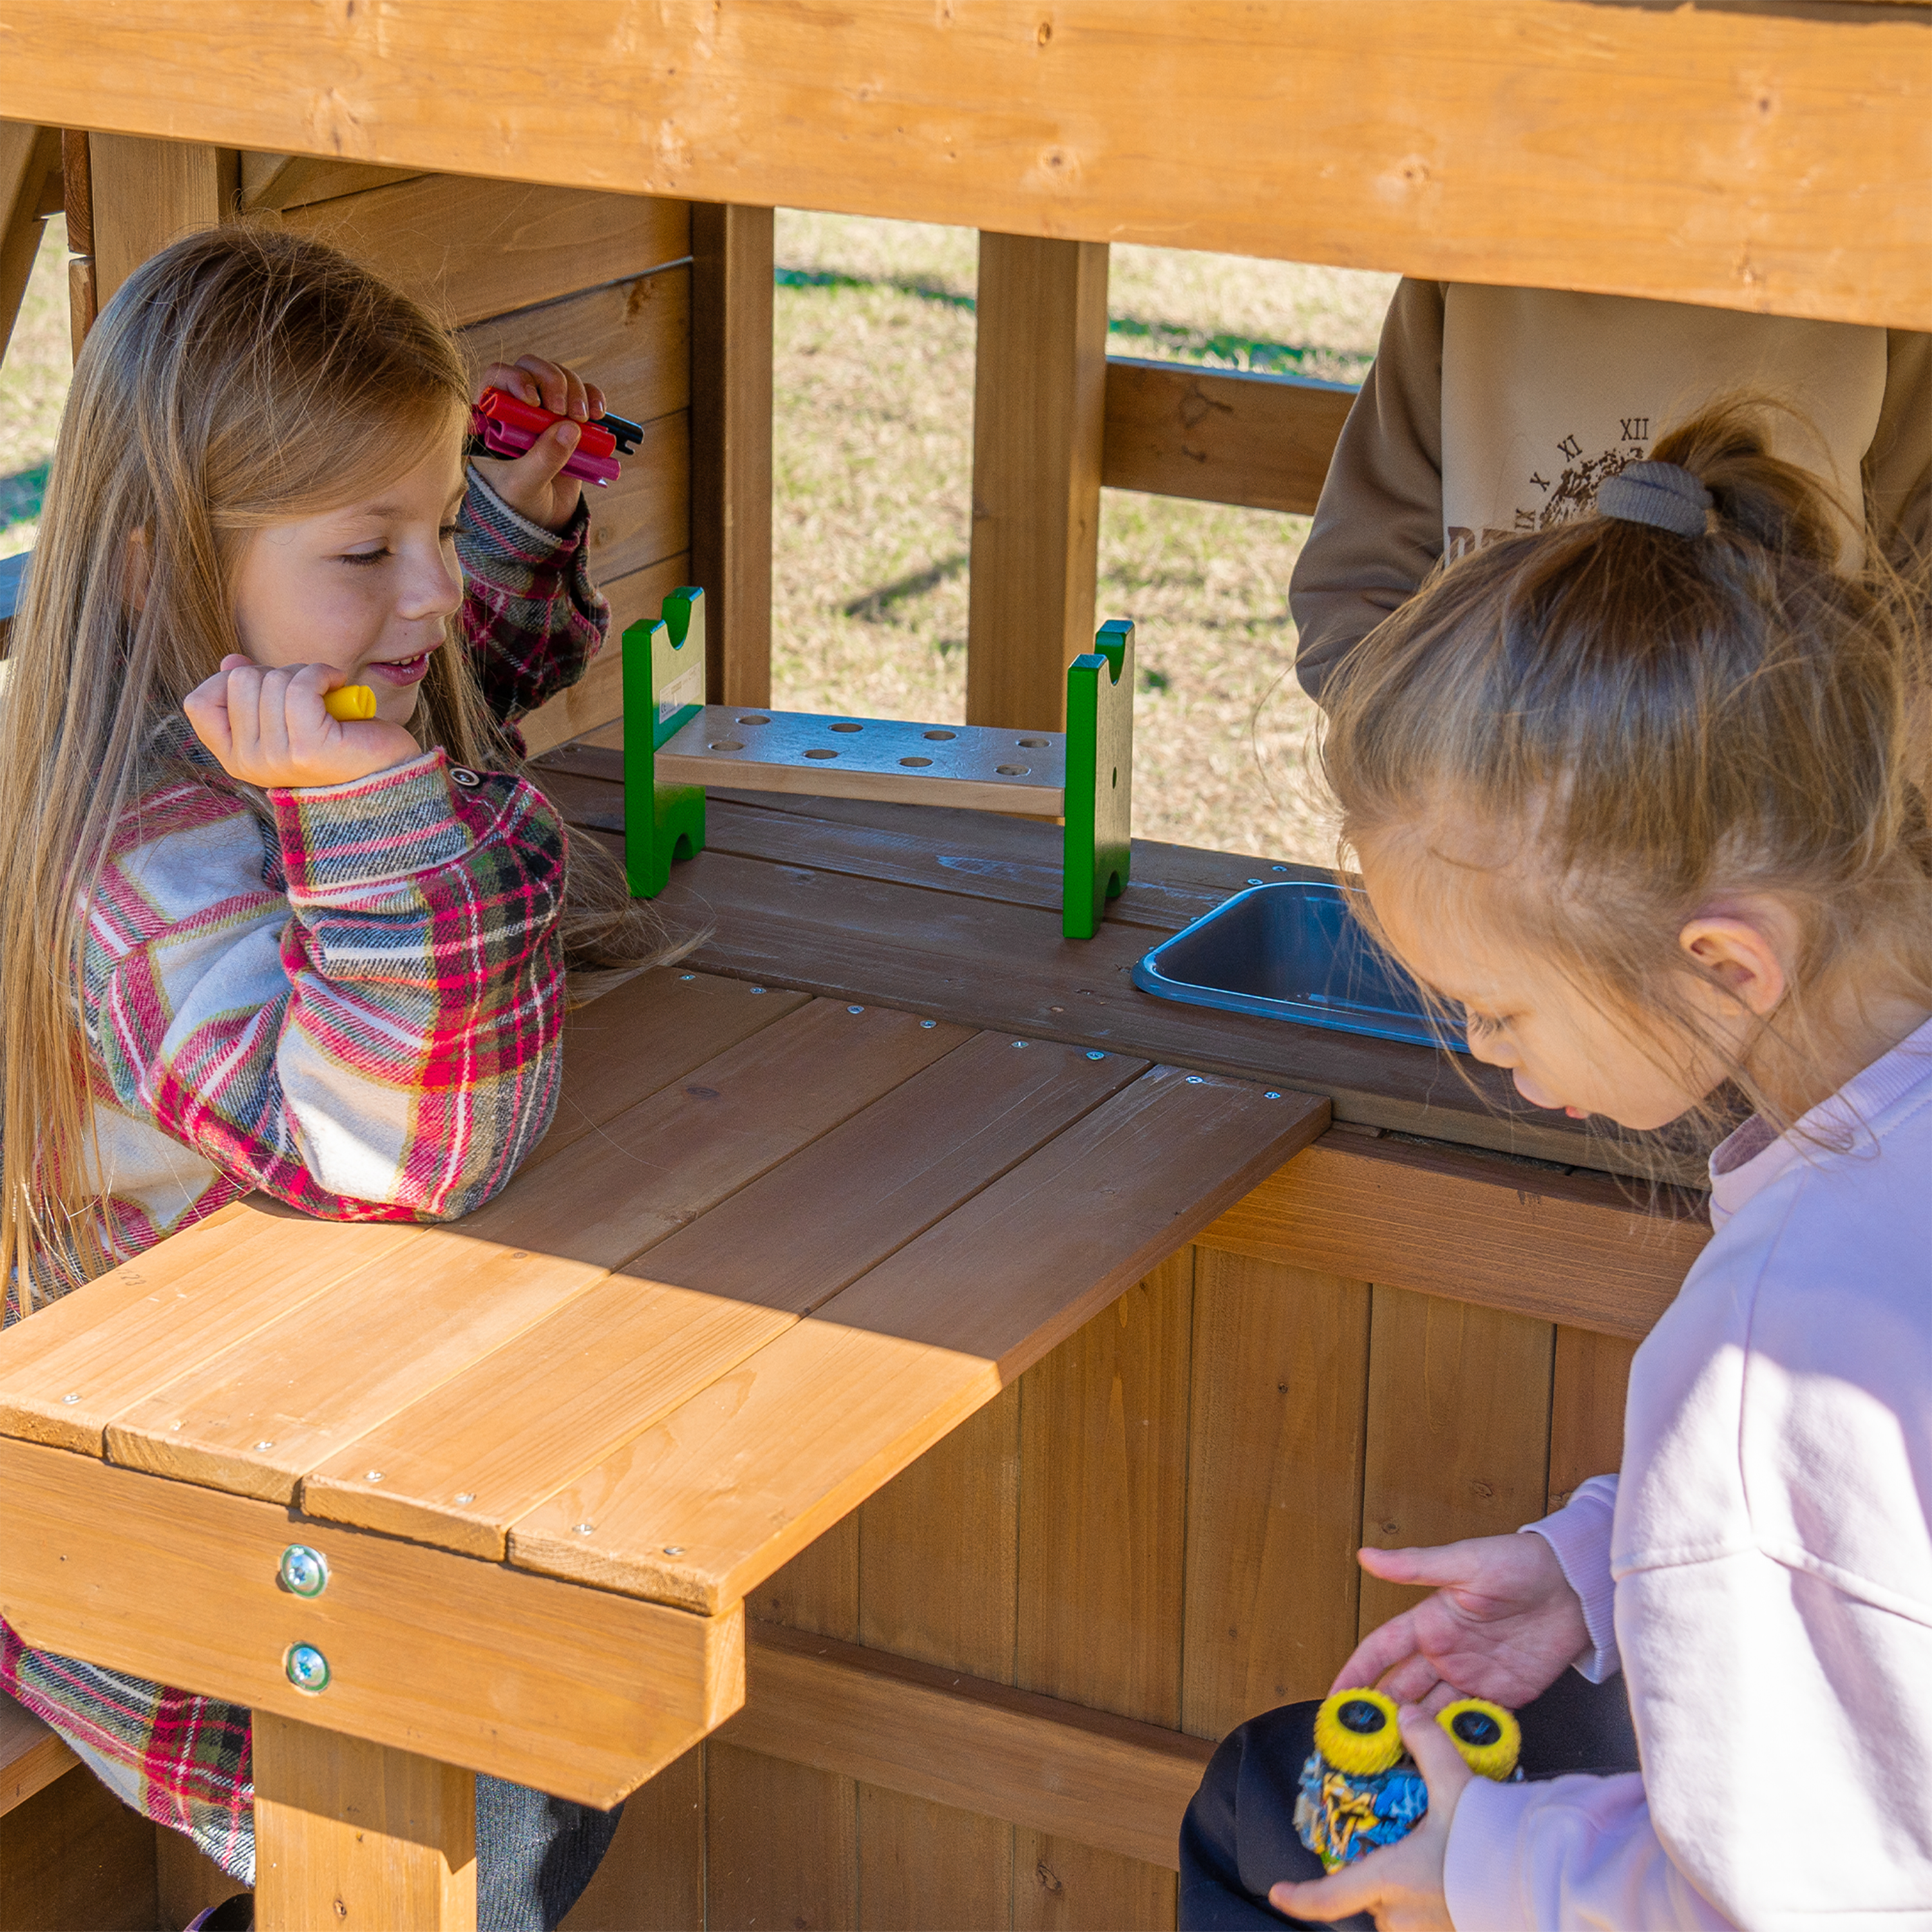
(925, 1391)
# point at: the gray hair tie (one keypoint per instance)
(1663, 494)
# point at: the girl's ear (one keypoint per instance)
(135, 566)
(1743, 952)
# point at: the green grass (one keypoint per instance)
(873, 462)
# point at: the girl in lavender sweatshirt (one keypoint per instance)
(1644, 798)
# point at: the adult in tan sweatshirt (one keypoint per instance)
(1491, 410)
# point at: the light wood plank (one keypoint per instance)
(645, 516)
(955, 1740)
(514, 1427)
(258, 1419)
(74, 1859)
(931, 1865)
(1274, 1485)
(30, 157)
(1458, 1439)
(598, 697)
(652, 1877)
(731, 445)
(579, 1693)
(1068, 1885)
(148, 194)
(1756, 164)
(632, 338)
(1038, 415)
(778, 1831)
(1578, 1248)
(1103, 1459)
(744, 1476)
(472, 249)
(818, 1590)
(273, 181)
(1220, 435)
(77, 199)
(1586, 1409)
(32, 1755)
(359, 1835)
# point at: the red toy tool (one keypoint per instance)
(502, 425)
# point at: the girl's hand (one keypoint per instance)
(533, 485)
(1401, 1883)
(1504, 1624)
(268, 727)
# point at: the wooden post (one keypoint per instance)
(353, 1835)
(28, 156)
(1038, 420)
(83, 299)
(148, 193)
(731, 444)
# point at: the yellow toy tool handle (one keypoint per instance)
(349, 702)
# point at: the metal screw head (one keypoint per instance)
(582, 1528)
(673, 1549)
(373, 1476)
(303, 1572)
(307, 1669)
(687, 976)
(1019, 1043)
(927, 1025)
(264, 1445)
(1095, 1053)
(467, 1496)
(855, 1009)
(1195, 1080)
(1277, 868)
(71, 1398)
(1256, 882)
(757, 989)
(1270, 1097)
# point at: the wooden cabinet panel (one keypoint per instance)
(1586, 1409)
(781, 1845)
(1061, 1886)
(929, 1866)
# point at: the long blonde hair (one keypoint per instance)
(1629, 720)
(239, 379)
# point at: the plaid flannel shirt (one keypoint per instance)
(355, 1006)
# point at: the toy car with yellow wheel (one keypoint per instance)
(1360, 1788)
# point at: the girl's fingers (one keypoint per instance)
(1385, 1646)
(594, 398)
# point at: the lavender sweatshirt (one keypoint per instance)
(1762, 1573)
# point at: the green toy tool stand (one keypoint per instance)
(1099, 778)
(664, 686)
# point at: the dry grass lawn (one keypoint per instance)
(873, 476)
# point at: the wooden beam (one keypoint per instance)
(577, 1692)
(1220, 435)
(348, 1833)
(1038, 413)
(1570, 1247)
(83, 296)
(1758, 158)
(148, 193)
(29, 157)
(731, 445)
(1038, 1762)
(32, 1755)
(273, 182)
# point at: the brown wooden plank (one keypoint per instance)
(32, 1755)
(1757, 165)
(1458, 1440)
(148, 193)
(997, 965)
(645, 516)
(1586, 1409)
(741, 1478)
(817, 1590)
(632, 338)
(1577, 1248)
(956, 1740)
(476, 248)
(1068, 1885)
(1039, 407)
(30, 157)
(272, 182)
(778, 1831)
(258, 1419)
(598, 695)
(1280, 1408)
(1104, 1457)
(1220, 435)
(731, 445)
(186, 1879)
(931, 1865)
(515, 1426)
(652, 1877)
(359, 1833)
(579, 1693)
(74, 1859)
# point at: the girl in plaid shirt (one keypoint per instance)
(244, 946)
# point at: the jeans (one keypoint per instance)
(535, 1855)
(1238, 1836)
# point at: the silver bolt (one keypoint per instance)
(582, 1528)
(673, 1549)
(1019, 1043)
(264, 1445)
(1270, 1097)
(855, 1009)
(71, 1399)
(757, 989)
(307, 1669)
(1096, 1054)
(1255, 882)
(468, 1496)
(1195, 1080)
(302, 1571)
(1279, 868)
(927, 1025)
(373, 1476)
(687, 976)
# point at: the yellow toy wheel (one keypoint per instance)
(1355, 1732)
(1487, 1735)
